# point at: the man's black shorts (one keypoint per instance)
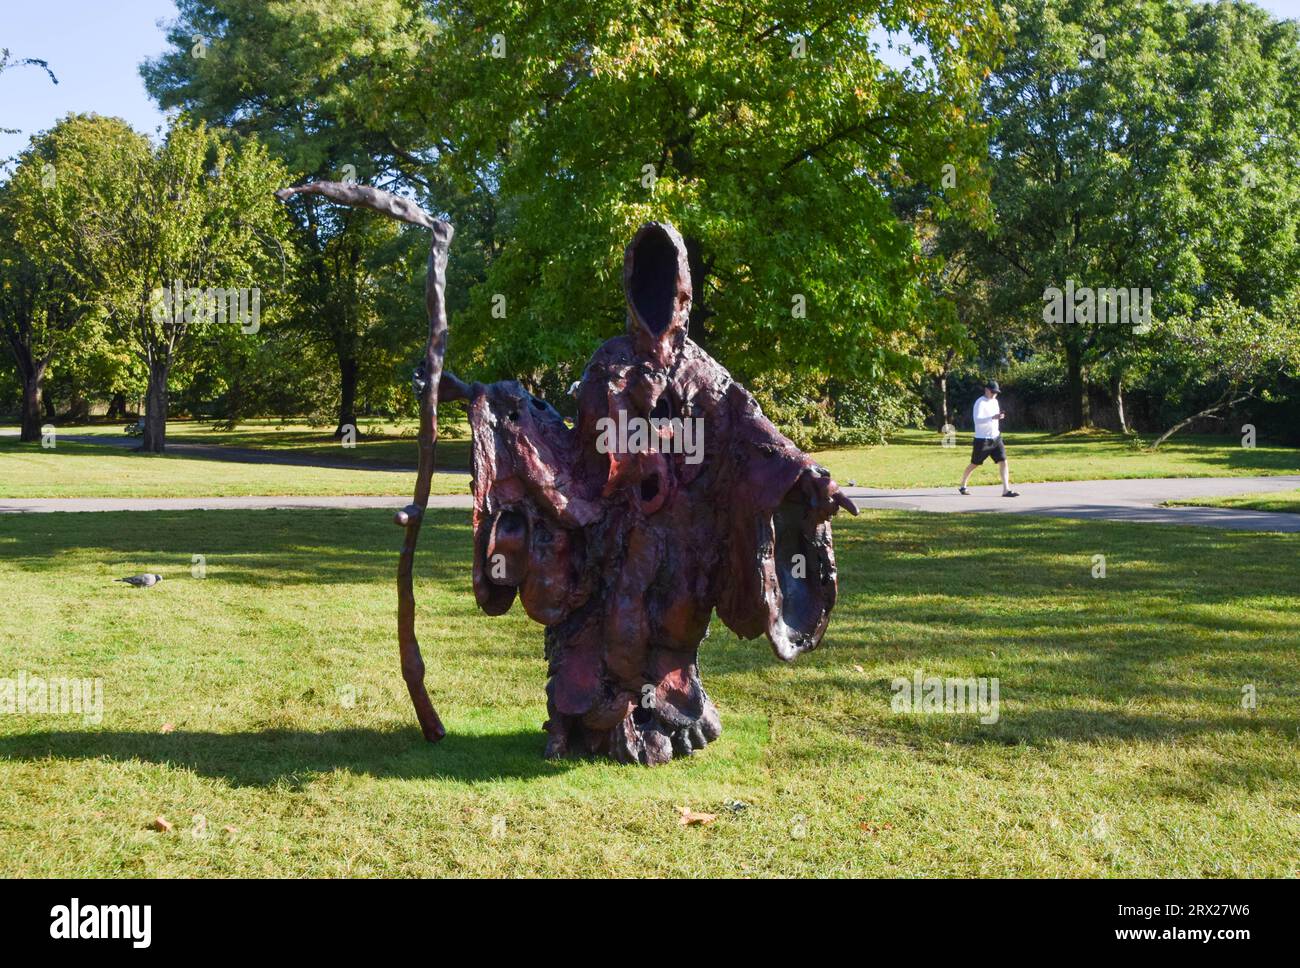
(985, 449)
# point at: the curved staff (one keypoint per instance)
(431, 384)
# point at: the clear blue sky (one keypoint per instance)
(95, 48)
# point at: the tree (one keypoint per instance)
(317, 109)
(197, 253)
(51, 294)
(349, 256)
(1230, 352)
(771, 134)
(1139, 145)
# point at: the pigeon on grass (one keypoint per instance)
(141, 581)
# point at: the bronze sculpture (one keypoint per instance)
(670, 495)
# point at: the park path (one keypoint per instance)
(1124, 500)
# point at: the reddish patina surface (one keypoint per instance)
(622, 550)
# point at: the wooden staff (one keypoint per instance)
(431, 384)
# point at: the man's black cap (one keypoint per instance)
(993, 385)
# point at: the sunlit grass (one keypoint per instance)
(377, 441)
(1288, 501)
(1123, 747)
(912, 459)
(919, 459)
(86, 470)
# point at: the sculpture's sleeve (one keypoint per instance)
(778, 577)
(527, 506)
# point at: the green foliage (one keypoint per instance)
(1226, 345)
(836, 207)
(1225, 353)
(53, 300)
(193, 215)
(777, 168)
(855, 412)
(1144, 145)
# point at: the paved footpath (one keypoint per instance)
(1125, 500)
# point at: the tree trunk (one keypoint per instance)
(31, 419)
(117, 407)
(348, 398)
(1119, 404)
(155, 409)
(78, 409)
(1075, 390)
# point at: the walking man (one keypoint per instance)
(988, 439)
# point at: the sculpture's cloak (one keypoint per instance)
(622, 548)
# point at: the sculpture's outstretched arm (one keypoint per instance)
(363, 196)
(431, 384)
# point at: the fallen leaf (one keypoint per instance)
(690, 817)
(162, 825)
(858, 668)
(168, 728)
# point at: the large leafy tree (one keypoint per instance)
(350, 260)
(320, 108)
(52, 292)
(771, 133)
(1139, 145)
(200, 217)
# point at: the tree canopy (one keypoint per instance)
(770, 133)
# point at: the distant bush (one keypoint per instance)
(838, 412)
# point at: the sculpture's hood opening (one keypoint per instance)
(657, 281)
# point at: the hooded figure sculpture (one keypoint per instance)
(672, 495)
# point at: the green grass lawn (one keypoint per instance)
(378, 441)
(86, 470)
(912, 459)
(919, 459)
(266, 699)
(1288, 501)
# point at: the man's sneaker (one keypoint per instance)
(962, 490)
(1011, 494)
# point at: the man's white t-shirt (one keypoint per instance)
(986, 418)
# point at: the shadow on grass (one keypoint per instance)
(294, 757)
(1016, 555)
(247, 547)
(1038, 727)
